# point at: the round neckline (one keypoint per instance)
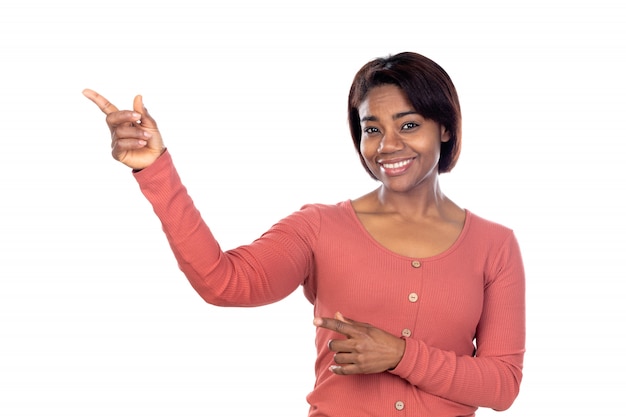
(468, 216)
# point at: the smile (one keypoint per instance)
(395, 165)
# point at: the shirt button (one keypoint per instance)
(413, 297)
(399, 405)
(406, 333)
(416, 264)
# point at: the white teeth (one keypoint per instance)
(396, 164)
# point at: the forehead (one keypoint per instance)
(386, 98)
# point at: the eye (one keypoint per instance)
(370, 130)
(409, 126)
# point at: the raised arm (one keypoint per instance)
(263, 272)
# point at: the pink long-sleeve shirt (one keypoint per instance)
(462, 312)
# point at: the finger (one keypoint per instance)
(124, 145)
(331, 324)
(344, 358)
(128, 143)
(341, 345)
(335, 325)
(104, 104)
(340, 317)
(130, 131)
(340, 324)
(146, 120)
(345, 369)
(123, 118)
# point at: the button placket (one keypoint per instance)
(413, 297)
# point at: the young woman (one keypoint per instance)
(419, 304)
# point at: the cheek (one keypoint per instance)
(368, 148)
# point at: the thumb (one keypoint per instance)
(146, 120)
(340, 317)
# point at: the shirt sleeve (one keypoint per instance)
(265, 271)
(491, 378)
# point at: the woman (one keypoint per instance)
(419, 304)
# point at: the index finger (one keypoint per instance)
(335, 325)
(105, 105)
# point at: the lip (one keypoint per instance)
(396, 166)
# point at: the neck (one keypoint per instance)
(423, 201)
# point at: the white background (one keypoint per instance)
(95, 317)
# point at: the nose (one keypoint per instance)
(390, 142)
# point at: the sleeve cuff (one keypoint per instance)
(408, 363)
(161, 162)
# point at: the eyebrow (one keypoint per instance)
(395, 116)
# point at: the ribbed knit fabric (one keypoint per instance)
(461, 312)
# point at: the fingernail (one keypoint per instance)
(142, 143)
(147, 134)
(317, 321)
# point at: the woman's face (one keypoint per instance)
(400, 147)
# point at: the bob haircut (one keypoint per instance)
(428, 88)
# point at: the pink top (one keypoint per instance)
(474, 291)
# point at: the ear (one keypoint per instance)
(444, 134)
